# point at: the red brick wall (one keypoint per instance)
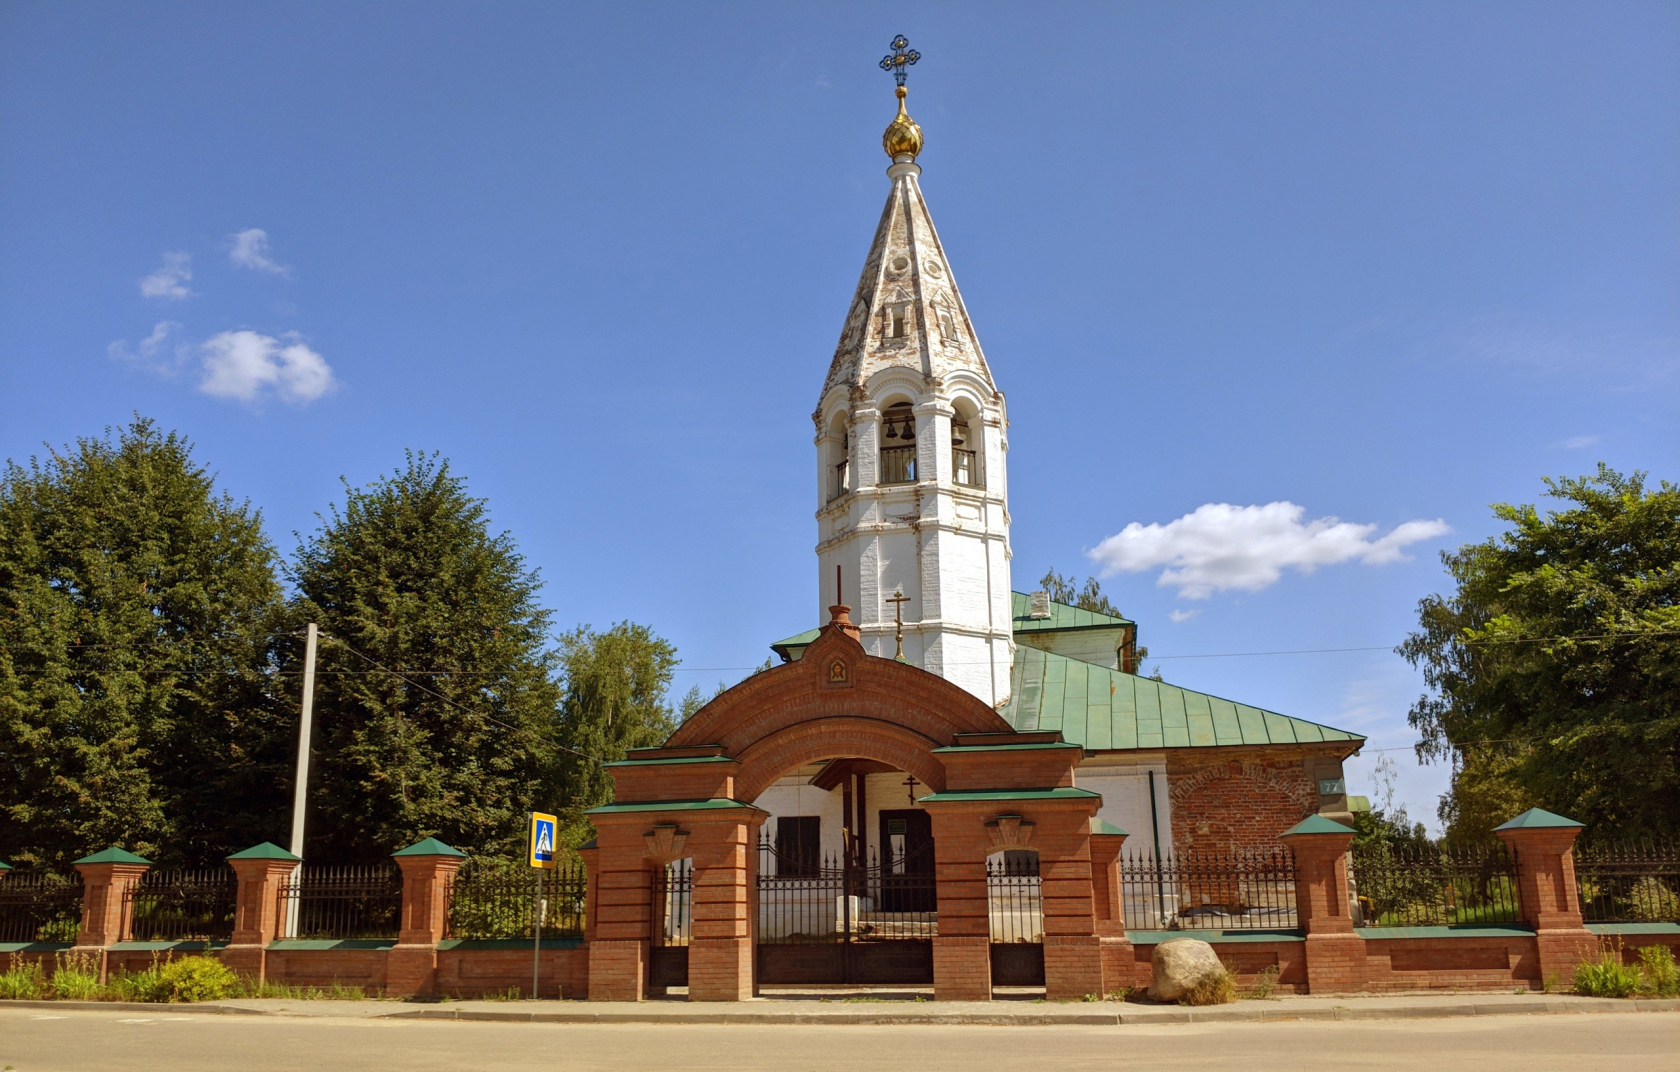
(1229, 798)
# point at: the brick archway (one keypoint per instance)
(837, 738)
(875, 705)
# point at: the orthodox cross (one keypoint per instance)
(910, 783)
(898, 600)
(899, 60)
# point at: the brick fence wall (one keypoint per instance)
(1328, 954)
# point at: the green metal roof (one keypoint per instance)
(1062, 616)
(268, 850)
(1317, 824)
(1537, 818)
(1103, 709)
(668, 761)
(667, 805)
(1060, 792)
(429, 847)
(113, 855)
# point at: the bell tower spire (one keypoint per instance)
(911, 444)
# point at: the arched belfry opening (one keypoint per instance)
(831, 821)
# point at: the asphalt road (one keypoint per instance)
(37, 1040)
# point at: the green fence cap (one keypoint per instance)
(429, 847)
(268, 850)
(4, 866)
(1317, 824)
(1537, 818)
(113, 855)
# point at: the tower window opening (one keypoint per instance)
(965, 461)
(840, 473)
(897, 324)
(898, 462)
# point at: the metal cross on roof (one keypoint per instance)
(901, 58)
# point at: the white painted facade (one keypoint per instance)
(908, 358)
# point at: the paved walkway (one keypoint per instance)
(841, 1010)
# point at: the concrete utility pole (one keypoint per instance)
(300, 791)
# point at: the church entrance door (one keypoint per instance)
(842, 920)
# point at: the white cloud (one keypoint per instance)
(1578, 442)
(250, 250)
(1218, 547)
(244, 365)
(147, 351)
(1182, 615)
(171, 278)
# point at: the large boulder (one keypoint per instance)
(1180, 965)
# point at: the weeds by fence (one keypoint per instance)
(40, 907)
(1244, 889)
(1435, 885)
(1629, 883)
(342, 902)
(187, 905)
(488, 899)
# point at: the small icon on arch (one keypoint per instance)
(838, 673)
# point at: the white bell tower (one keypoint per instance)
(911, 442)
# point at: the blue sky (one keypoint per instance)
(1387, 262)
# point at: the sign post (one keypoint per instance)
(543, 829)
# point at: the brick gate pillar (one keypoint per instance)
(1543, 846)
(428, 870)
(107, 876)
(722, 843)
(962, 954)
(1108, 909)
(1335, 952)
(1072, 950)
(619, 909)
(259, 871)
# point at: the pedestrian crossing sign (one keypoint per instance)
(542, 839)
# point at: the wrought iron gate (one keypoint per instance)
(1015, 914)
(828, 920)
(673, 924)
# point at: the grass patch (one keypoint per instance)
(1264, 984)
(1218, 989)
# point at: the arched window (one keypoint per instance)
(898, 444)
(839, 459)
(966, 455)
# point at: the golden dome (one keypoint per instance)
(902, 134)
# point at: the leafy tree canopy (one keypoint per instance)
(437, 708)
(1554, 668)
(1090, 597)
(136, 608)
(615, 700)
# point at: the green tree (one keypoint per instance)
(615, 700)
(437, 709)
(1066, 590)
(136, 607)
(1554, 668)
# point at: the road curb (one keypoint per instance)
(915, 1013)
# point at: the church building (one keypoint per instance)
(941, 740)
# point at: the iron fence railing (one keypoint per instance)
(491, 901)
(1629, 883)
(186, 905)
(1242, 889)
(1436, 885)
(1015, 902)
(39, 907)
(673, 904)
(898, 465)
(342, 902)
